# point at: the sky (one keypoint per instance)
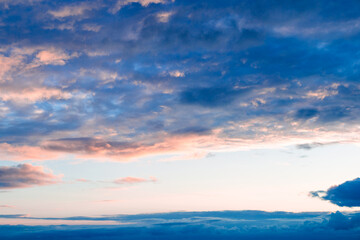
(120, 108)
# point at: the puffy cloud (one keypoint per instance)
(53, 57)
(25, 175)
(346, 194)
(177, 73)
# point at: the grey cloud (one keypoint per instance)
(309, 146)
(25, 175)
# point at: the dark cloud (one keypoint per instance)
(86, 145)
(192, 130)
(199, 225)
(346, 194)
(25, 175)
(210, 97)
(335, 114)
(309, 146)
(306, 113)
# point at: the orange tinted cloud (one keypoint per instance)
(7, 64)
(180, 146)
(33, 94)
(53, 56)
(20, 153)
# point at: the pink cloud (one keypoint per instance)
(33, 94)
(7, 64)
(53, 56)
(20, 153)
(106, 201)
(25, 175)
(181, 146)
(82, 180)
(6, 206)
(95, 148)
(134, 180)
(70, 11)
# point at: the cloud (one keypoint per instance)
(7, 64)
(210, 97)
(82, 180)
(70, 11)
(53, 57)
(164, 16)
(7, 206)
(30, 95)
(346, 194)
(121, 3)
(134, 180)
(193, 225)
(21, 153)
(91, 27)
(249, 80)
(24, 176)
(309, 146)
(177, 73)
(125, 151)
(306, 113)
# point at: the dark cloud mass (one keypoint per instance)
(124, 75)
(198, 225)
(346, 194)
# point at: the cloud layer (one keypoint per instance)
(124, 79)
(197, 225)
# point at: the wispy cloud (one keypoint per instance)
(71, 10)
(134, 180)
(7, 206)
(121, 3)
